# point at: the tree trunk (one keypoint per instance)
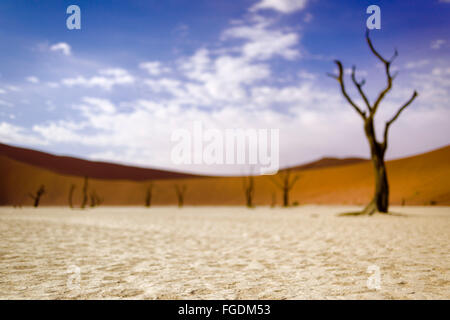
(380, 201)
(285, 197)
(85, 194)
(148, 198)
(381, 196)
(72, 189)
(249, 198)
(180, 201)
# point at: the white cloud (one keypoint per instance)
(32, 79)
(106, 79)
(63, 47)
(13, 88)
(283, 6)
(417, 64)
(359, 73)
(57, 132)
(263, 43)
(440, 71)
(307, 75)
(154, 68)
(2, 91)
(6, 103)
(164, 84)
(218, 80)
(198, 64)
(437, 44)
(10, 133)
(98, 105)
(53, 84)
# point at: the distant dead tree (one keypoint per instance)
(71, 190)
(37, 196)
(85, 193)
(181, 191)
(96, 200)
(249, 190)
(148, 195)
(380, 201)
(285, 183)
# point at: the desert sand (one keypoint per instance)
(305, 252)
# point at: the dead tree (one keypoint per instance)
(286, 184)
(181, 191)
(37, 197)
(96, 200)
(249, 190)
(72, 189)
(148, 195)
(380, 201)
(85, 193)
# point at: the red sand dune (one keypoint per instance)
(419, 180)
(328, 162)
(78, 167)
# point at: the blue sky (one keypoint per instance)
(137, 70)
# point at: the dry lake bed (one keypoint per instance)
(305, 252)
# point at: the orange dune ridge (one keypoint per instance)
(418, 180)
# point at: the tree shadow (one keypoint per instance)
(363, 214)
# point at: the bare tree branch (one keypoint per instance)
(395, 75)
(375, 52)
(291, 185)
(395, 55)
(389, 78)
(247, 182)
(180, 194)
(249, 190)
(275, 182)
(340, 79)
(285, 184)
(333, 76)
(388, 124)
(359, 86)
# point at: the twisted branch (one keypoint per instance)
(389, 77)
(388, 124)
(359, 86)
(340, 79)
